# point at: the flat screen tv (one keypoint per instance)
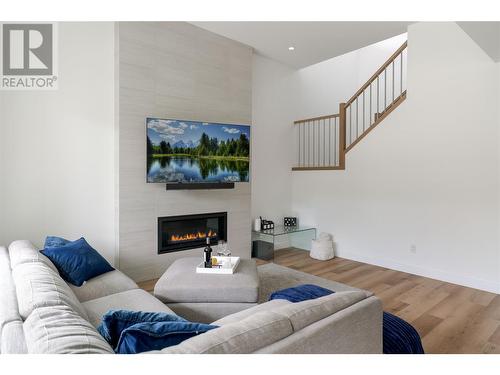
(191, 152)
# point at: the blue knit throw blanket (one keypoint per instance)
(399, 336)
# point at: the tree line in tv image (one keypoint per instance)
(187, 151)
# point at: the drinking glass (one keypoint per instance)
(221, 248)
(227, 252)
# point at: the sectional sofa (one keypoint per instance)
(41, 313)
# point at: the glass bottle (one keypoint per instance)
(207, 254)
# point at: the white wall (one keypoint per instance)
(321, 87)
(272, 94)
(427, 176)
(2, 172)
(56, 147)
(498, 119)
(282, 95)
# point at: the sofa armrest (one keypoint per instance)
(355, 329)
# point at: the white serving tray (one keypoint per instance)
(219, 271)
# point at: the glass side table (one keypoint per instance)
(264, 241)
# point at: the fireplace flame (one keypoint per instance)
(192, 236)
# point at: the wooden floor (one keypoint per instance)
(450, 318)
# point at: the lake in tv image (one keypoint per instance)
(193, 151)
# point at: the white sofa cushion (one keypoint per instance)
(302, 314)
(238, 316)
(12, 339)
(59, 330)
(23, 251)
(135, 300)
(103, 285)
(246, 336)
(248, 331)
(37, 286)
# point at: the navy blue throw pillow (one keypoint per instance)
(54, 241)
(77, 261)
(115, 321)
(131, 332)
(143, 337)
(301, 293)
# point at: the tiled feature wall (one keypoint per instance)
(175, 70)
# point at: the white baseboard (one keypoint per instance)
(471, 282)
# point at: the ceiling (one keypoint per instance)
(486, 35)
(313, 41)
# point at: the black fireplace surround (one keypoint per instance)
(176, 233)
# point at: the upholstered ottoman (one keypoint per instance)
(207, 297)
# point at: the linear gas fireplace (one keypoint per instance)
(176, 233)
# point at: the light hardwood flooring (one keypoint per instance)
(450, 318)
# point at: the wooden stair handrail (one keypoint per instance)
(377, 73)
(342, 134)
(397, 101)
(343, 148)
(316, 118)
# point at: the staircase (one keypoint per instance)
(322, 142)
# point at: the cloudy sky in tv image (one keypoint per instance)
(189, 132)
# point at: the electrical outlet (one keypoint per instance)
(413, 249)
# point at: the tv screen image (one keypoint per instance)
(194, 151)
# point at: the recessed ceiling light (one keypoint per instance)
(291, 48)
